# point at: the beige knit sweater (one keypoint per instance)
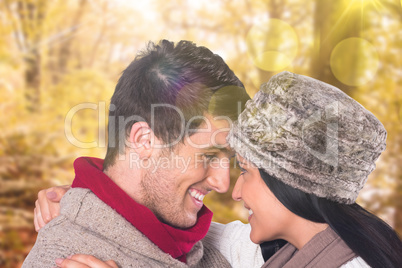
(86, 225)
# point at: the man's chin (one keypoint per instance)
(183, 224)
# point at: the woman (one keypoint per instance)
(305, 150)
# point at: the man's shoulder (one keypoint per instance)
(82, 207)
(89, 226)
(72, 201)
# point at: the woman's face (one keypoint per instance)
(269, 219)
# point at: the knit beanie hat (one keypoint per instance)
(309, 135)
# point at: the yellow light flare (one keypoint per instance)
(354, 61)
(272, 45)
(362, 3)
(350, 7)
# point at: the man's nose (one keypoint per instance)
(219, 178)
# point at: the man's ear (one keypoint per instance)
(142, 139)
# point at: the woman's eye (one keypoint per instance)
(242, 171)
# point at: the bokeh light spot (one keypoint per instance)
(272, 60)
(354, 61)
(272, 45)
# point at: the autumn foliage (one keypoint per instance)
(57, 55)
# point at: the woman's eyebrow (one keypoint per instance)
(240, 162)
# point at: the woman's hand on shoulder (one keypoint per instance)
(84, 261)
(47, 206)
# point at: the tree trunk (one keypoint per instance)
(275, 9)
(31, 16)
(333, 22)
(32, 80)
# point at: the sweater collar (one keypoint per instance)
(324, 248)
(176, 242)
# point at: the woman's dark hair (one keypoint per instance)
(366, 234)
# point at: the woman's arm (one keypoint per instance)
(233, 241)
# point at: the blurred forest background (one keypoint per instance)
(57, 54)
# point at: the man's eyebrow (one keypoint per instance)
(225, 150)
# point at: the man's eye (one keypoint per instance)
(209, 157)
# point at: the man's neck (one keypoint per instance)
(127, 178)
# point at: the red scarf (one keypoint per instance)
(176, 242)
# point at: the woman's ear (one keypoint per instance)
(141, 139)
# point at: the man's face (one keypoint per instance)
(178, 181)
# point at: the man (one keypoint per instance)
(142, 205)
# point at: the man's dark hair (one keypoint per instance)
(166, 77)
